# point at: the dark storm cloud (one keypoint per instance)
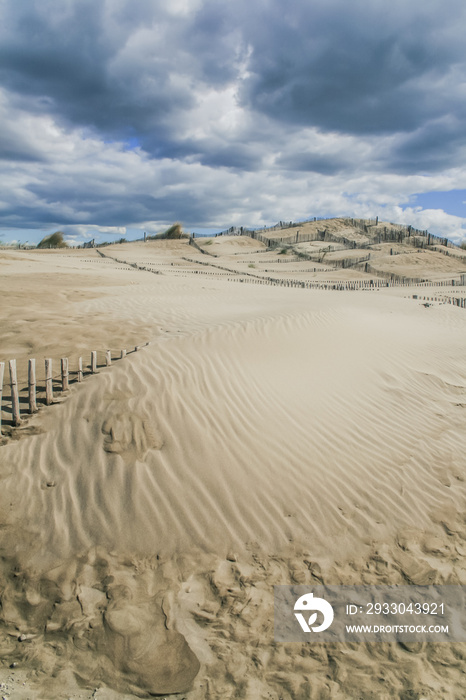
(432, 148)
(130, 71)
(101, 208)
(73, 62)
(106, 213)
(260, 89)
(358, 67)
(314, 163)
(14, 147)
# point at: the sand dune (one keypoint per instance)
(266, 435)
(242, 433)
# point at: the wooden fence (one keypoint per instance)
(344, 285)
(201, 250)
(454, 301)
(386, 279)
(460, 255)
(125, 262)
(353, 285)
(347, 262)
(393, 233)
(401, 233)
(45, 393)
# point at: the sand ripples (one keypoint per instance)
(287, 426)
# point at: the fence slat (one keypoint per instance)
(2, 371)
(48, 382)
(64, 374)
(32, 383)
(32, 386)
(14, 394)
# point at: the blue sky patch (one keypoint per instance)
(452, 202)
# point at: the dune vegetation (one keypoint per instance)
(53, 240)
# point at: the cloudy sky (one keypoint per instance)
(123, 116)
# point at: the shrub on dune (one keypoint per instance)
(53, 240)
(175, 231)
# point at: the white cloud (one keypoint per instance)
(81, 233)
(434, 220)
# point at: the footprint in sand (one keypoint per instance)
(130, 434)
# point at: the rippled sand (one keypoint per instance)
(265, 435)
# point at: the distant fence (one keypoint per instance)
(383, 279)
(346, 285)
(198, 247)
(387, 279)
(242, 231)
(394, 233)
(125, 262)
(455, 255)
(274, 242)
(394, 277)
(347, 262)
(367, 284)
(45, 392)
(319, 235)
(454, 301)
(401, 233)
(457, 301)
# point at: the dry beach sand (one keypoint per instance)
(266, 435)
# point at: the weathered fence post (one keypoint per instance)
(14, 394)
(64, 374)
(80, 369)
(108, 358)
(48, 382)
(123, 354)
(32, 386)
(2, 371)
(94, 361)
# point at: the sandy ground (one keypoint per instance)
(266, 435)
